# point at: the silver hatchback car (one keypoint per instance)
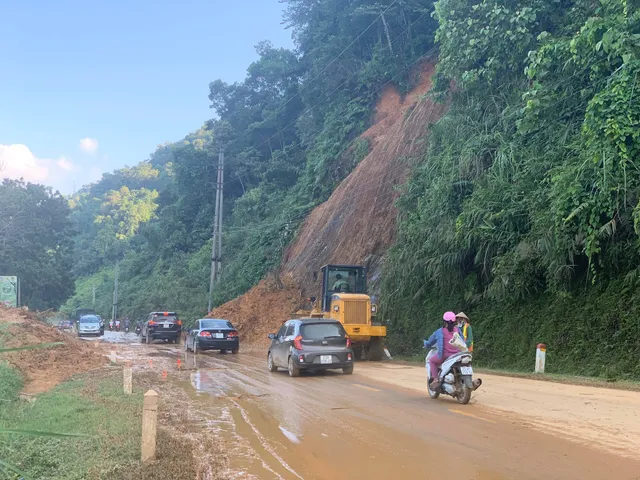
(89, 325)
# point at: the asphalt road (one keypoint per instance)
(335, 426)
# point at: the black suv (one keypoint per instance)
(162, 326)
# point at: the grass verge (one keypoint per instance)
(91, 405)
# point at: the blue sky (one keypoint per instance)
(87, 87)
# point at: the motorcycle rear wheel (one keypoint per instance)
(464, 397)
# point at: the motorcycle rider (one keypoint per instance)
(127, 323)
(111, 324)
(117, 325)
(441, 339)
(465, 326)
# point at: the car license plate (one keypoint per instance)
(219, 335)
(167, 325)
(466, 370)
(326, 358)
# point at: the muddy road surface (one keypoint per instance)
(333, 426)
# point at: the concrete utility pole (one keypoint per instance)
(216, 244)
(115, 294)
(94, 297)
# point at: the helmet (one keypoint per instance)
(449, 317)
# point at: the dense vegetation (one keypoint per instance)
(525, 207)
(289, 131)
(524, 210)
(36, 243)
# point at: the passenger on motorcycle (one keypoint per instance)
(441, 339)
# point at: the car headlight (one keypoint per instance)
(336, 308)
(374, 308)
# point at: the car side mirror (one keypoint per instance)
(312, 299)
(272, 336)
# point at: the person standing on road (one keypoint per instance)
(467, 332)
(441, 338)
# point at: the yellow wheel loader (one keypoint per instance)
(344, 298)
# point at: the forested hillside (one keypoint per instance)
(524, 210)
(290, 133)
(521, 209)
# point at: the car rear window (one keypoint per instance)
(163, 318)
(320, 331)
(215, 324)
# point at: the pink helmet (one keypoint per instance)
(449, 317)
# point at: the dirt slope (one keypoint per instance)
(44, 368)
(357, 223)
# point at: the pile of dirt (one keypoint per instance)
(357, 224)
(44, 368)
(261, 310)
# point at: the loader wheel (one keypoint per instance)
(375, 351)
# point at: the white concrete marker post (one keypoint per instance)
(149, 425)
(541, 353)
(127, 380)
(113, 355)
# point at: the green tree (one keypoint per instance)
(36, 242)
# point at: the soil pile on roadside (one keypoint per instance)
(44, 368)
(261, 310)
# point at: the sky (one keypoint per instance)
(88, 87)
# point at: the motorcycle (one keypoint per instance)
(126, 329)
(456, 377)
(117, 327)
(138, 330)
(111, 327)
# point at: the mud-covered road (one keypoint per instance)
(333, 426)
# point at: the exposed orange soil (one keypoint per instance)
(44, 368)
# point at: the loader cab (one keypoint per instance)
(342, 279)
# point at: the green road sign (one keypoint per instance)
(9, 291)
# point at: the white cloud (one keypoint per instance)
(65, 164)
(17, 161)
(89, 145)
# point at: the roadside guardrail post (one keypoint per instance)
(149, 425)
(541, 353)
(127, 380)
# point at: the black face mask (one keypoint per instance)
(450, 326)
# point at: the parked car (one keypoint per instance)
(65, 325)
(161, 326)
(310, 344)
(89, 325)
(212, 334)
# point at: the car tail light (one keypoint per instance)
(297, 342)
(178, 322)
(151, 322)
(349, 358)
(205, 334)
(301, 358)
(232, 334)
(348, 342)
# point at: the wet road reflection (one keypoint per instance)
(332, 426)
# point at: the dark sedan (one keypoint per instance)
(310, 344)
(212, 334)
